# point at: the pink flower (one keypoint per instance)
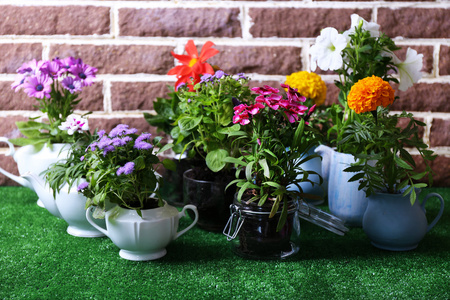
(273, 101)
(74, 124)
(254, 109)
(265, 90)
(38, 86)
(293, 94)
(83, 73)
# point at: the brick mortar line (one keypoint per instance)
(110, 39)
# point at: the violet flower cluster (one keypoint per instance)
(37, 77)
(268, 96)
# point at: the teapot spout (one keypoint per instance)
(19, 179)
(326, 153)
(44, 192)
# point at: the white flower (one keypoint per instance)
(326, 53)
(409, 70)
(372, 27)
(74, 124)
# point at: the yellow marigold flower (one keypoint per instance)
(309, 85)
(369, 93)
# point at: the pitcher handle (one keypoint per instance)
(182, 214)
(441, 211)
(89, 218)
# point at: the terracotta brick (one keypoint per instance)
(332, 94)
(440, 167)
(11, 100)
(8, 164)
(180, 22)
(440, 133)
(300, 22)
(444, 60)
(120, 59)
(14, 55)
(411, 22)
(427, 52)
(262, 60)
(50, 20)
(137, 95)
(8, 127)
(433, 97)
(92, 97)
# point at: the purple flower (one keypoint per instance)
(205, 78)
(121, 141)
(122, 129)
(108, 149)
(68, 62)
(92, 146)
(82, 186)
(32, 67)
(72, 85)
(127, 169)
(82, 158)
(18, 83)
(83, 73)
(104, 142)
(142, 146)
(101, 133)
(219, 74)
(241, 76)
(38, 86)
(51, 68)
(144, 136)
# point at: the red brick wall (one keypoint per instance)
(129, 42)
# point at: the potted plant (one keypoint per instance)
(192, 67)
(313, 88)
(273, 142)
(385, 169)
(123, 187)
(56, 85)
(360, 52)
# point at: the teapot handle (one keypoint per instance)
(11, 146)
(182, 214)
(89, 218)
(441, 211)
(19, 179)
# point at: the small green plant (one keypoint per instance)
(206, 118)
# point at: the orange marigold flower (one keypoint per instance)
(369, 93)
(192, 64)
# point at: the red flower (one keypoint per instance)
(193, 65)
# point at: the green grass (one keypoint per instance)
(39, 260)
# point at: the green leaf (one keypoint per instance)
(215, 159)
(249, 170)
(189, 123)
(401, 163)
(265, 166)
(169, 164)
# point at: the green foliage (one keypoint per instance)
(204, 124)
(384, 163)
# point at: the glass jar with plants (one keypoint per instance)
(56, 85)
(360, 52)
(273, 139)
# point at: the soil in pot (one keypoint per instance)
(258, 237)
(206, 190)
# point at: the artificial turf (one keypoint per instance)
(39, 260)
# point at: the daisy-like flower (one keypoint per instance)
(74, 124)
(127, 169)
(38, 86)
(409, 70)
(326, 53)
(33, 67)
(369, 93)
(372, 27)
(18, 82)
(83, 73)
(308, 84)
(72, 85)
(192, 64)
(51, 68)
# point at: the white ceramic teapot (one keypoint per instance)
(67, 204)
(33, 159)
(146, 237)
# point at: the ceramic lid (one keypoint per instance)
(321, 218)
